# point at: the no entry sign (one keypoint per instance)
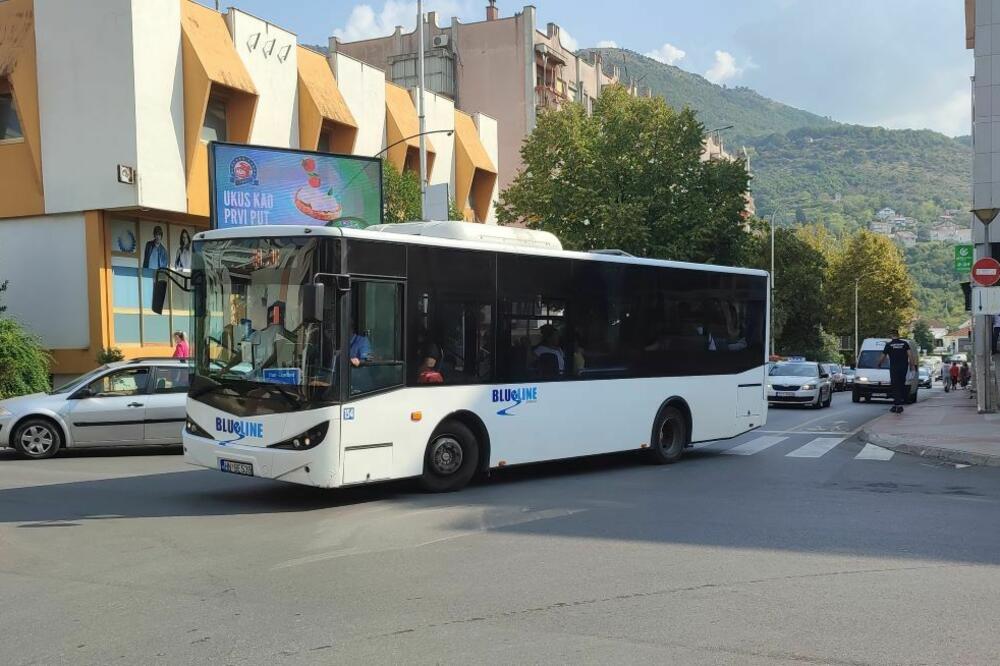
(986, 271)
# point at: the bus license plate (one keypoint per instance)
(786, 394)
(235, 467)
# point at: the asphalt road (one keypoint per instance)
(785, 546)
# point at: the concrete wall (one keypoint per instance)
(487, 128)
(986, 114)
(363, 88)
(439, 113)
(271, 58)
(500, 91)
(159, 104)
(44, 259)
(86, 99)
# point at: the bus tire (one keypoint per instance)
(451, 458)
(670, 436)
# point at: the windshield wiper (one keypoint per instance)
(289, 397)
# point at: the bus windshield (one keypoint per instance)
(250, 336)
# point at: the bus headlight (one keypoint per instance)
(193, 428)
(307, 440)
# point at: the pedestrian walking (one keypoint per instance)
(181, 348)
(953, 374)
(902, 360)
(964, 374)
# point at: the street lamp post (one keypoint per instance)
(857, 283)
(774, 214)
(413, 136)
(420, 110)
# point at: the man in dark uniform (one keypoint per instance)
(901, 360)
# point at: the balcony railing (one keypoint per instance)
(547, 97)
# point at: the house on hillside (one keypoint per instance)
(950, 232)
(938, 329)
(885, 214)
(958, 339)
(905, 238)
(882, 227)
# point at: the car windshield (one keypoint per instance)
(82, 380)
(848, 371)
(251, 335)
(869, 359)
(794, 370)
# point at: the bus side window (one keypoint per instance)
(376, 336)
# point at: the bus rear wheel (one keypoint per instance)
(670, 436)
(451, 459)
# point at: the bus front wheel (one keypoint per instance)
(670, 436)
(451, 459)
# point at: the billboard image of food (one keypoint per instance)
(256, 185)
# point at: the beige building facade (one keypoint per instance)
(502, 66)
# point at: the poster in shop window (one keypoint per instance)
(257, 185)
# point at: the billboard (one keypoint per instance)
(255, 185)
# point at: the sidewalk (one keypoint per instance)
(945, 426)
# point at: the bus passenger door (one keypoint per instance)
(373, 423)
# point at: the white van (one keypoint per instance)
(872, 380)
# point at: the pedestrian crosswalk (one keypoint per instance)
(794, 447)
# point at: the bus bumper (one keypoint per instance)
(310, 467)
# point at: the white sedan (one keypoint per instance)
(132, 403)
(799, 383)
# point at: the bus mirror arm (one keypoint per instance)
(342, 280)
(181, 279)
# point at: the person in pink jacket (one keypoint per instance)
(181, 349)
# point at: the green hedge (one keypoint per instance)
(24, 363)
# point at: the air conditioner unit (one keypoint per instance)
(440, 41)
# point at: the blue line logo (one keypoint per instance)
(516, 396)
(242, 429)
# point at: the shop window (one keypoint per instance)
(137, 250)
(10, 125)
(214, 127)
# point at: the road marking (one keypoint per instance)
(842, 433)
(872, 452)
(816, 447)
(754, 446)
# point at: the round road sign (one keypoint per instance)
(986, 271)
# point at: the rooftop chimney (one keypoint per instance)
(492, 13)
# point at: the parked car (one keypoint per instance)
(131, 403)
(799, 383)
(925, 378)
(849, 375)
(837, 378)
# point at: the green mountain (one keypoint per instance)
(750, 113)
(812, 169)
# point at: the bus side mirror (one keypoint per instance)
(159, 294)
(313, 297)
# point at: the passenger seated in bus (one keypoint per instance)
(429, 372)
(549, 347)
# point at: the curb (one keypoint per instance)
(934, 452)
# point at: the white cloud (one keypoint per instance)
(725, 68)
(365, 23)
(607, 44)
(567, 40)
(950, 116)
(668, 54)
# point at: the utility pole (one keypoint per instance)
(857, 282)
(982, 329)
(420, 110)
(771, 325)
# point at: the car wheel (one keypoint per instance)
(451, 459)
(829, 399)
(670, 436)
(911, 399)
(855, 396)
(37, 438)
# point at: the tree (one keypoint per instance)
(401, 194)
(922, 335)
(799, 307)
(885, 288)
(24, 364)
(630, 177)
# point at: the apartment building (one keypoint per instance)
(106, 110)
(504, 66)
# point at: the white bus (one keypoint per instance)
(332, 357)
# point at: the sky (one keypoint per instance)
(894, 63)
